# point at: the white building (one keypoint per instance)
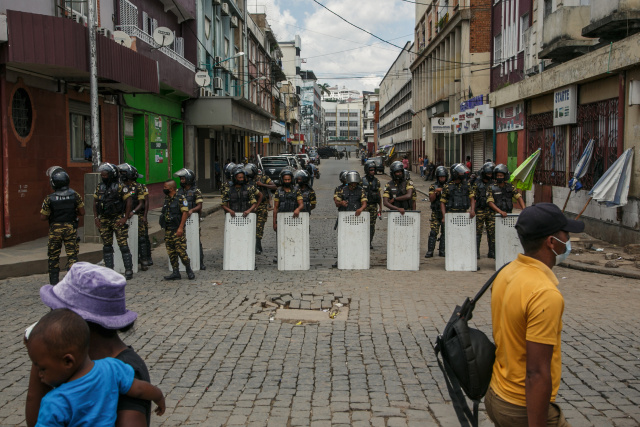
(343, 121)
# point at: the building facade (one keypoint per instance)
(370, 106)
(343, 121)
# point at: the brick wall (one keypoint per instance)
(480, 26)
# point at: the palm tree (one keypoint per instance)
(324, 88)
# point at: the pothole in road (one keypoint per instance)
(307, 306)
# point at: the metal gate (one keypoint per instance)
(551, 140)
(239, 242)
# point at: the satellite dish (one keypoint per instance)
(122, 38)
(163, 36)
(202, 78)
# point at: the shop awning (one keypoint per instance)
(218, 112)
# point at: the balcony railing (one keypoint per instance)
(135, 31)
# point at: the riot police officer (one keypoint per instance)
(62, 209)
(371, 186)
(398, 192)
(352, 197)
(436, 223)
(263, 184)
(287, 197)
(112, 205)
(193, 195)
(175, 212)
(239, 196)
(500, 196)
(227, 182)
(457, 194)
(414, 195)
(128, 176)
(308, 194)
(484, 214)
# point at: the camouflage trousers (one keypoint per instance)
(436, 224)
(485, 218)
(59, 234)
(373, 213)
(108, 226)
(143, 227)
(262, 213)
(176, 247)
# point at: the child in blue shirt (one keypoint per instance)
(85, 392)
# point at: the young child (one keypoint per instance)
(85, 391)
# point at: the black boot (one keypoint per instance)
(441, 246)
(190, 274)
(127, 260)
(492, 249)
(54, 277)
(202, 266)
(142, 254)
(107, 254)
(148, 246)
(175, 275)
(258, 246)
(431, 245)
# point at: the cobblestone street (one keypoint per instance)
(213, 346)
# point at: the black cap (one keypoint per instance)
(545, 219)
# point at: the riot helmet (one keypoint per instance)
(353, 177)
(189, 177)
(251, 171)
(235, 175)
(134, 174)
(283, 173)
(503, 169)
(302, 178)
(108, 171)
(407, 174)
(368, 165)
(125, 171)
(459, 171)
(486, 171)
(228, 170)
(395, 168)
(441, 171)
(58, 178)
(343, 177)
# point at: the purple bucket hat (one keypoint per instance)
(93, 292)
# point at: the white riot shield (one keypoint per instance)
(403, 241)
(239, 242)
(192, 232)
(353, 241)
(460, 242)
(293, 241)
(132, 241)
(507, 243)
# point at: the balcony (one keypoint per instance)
(613, 20)
(136, 32)
(562, 38)
(182, 9)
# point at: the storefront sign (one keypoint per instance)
(441, 125)
(565, 105)
(510, 118)
(157, 133)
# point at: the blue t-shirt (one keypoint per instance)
(91, 400)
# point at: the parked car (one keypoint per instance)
(379, 161)
(326, 152)
(273, 165)
(303, 156)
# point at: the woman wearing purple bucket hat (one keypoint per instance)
(97, 295)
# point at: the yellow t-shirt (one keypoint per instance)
(526, 305)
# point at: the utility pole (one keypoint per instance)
(93, 87)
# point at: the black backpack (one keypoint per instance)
(468, 356)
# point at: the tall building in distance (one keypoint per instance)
(341, 94)
(343, 121)
(310, 108)
(370, 108)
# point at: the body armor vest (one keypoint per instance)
(63, 206)
(396, 190)
(459, 197)
(239, 198)
(109, 200)
(172, 214)
(503, 197)
(353, 198)
(481, 194)
(190, 195)
(371, 187)
(435, 205)
(306, 199)
(287, 201)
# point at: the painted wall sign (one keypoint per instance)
(565, 105)
(510, 118)
(441, 125)
(157, 133)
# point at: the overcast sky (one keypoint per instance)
(324, 36)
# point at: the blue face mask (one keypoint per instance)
(563, 256)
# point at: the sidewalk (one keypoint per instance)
(31, 257)
(588, 253)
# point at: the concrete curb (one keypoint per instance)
(577, 265)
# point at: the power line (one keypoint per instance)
(449, 7)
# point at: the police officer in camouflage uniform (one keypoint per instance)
(112, 205)
(414, 195)
(500, 196)
(287, 197)
(309, 200)
(128, 176)
(351, 197)
(192, 193)
(436, 223)
(263, 184)
(484, 214)
(228, 172)
(175, 212)
(398, 193)
(372, 187)
(457, 194)
(62, 209)
(239, 196)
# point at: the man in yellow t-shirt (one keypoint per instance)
(526, 312)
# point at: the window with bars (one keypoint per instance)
(541, 133)
(497, 49)
(128, 13)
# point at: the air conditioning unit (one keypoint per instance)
(234, 22)
(205, 92)
(217, 61)
(105, 32)
(225, 9)
(217, 83)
